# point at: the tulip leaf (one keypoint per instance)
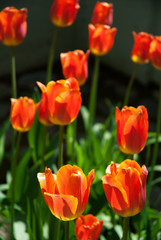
(3, 130)
(2, 143)
(21, 176)
(85, 116)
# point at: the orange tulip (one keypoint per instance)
(13, 26)
(101, 38)
(75, 64)
(132, 128)
(88, 227)
(102, 14)
(66, 193)
(140, 51)
(60, 102)
(155, 52)
(125, 187)
(22, 113)
(63, 12)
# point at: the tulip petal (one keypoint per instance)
(65, 173)
(62, 206)
(115, 194)
(67, 106)
(134, 129)
(47, 181)
(77, 186)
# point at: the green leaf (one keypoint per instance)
(21, 176)
(85, 116)
(3, 131)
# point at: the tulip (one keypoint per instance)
(63, 12)
(22, 113)
(66, 193)
(88, 227)
(140, 51)
(101, 38)
(102, 14)
(155, 52)
(60, 102)
(125, 187)
(75, 64)
(13, 26)
(132, 128)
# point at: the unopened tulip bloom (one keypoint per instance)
(132, 128)
(155, 52)
(63, 12)
(125, 187)
(22, 113)
(102, 14)
(140, 51)
(60, 102)
(66, 192)
(13, 26)
(101, 38)
(75, 64)
(88, 227)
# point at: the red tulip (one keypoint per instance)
(22, 113)
(132, 128)
(75, 64)
(60, 102)
(102, 14)
(125, 187)
(155, 52)
(63, 12)
(66, 193)
(140, 51)
(13, 26)
(88, 227)
(101, 38)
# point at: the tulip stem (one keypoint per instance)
(125, 228)
(57, 229)
(51, 56)
(43, 148)
(13, 170)
(71, 137)
(67, 230)
(60, 158)
(155, 150)
(126, 100)
(13, 72)
(93, 94)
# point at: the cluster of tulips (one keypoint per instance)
(66, 192)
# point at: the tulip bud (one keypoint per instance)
(132, 128)
(13, 26)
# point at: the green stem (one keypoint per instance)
(125, 228)
(13, 72)
(57, 229)
(60, 158)
(51, 56)
(131, 156)
(67, 230)
(71, 137)
(93, 95)
(155, 150)
(60, 163)
(126, 100)
(14, 165)
(44, 148)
